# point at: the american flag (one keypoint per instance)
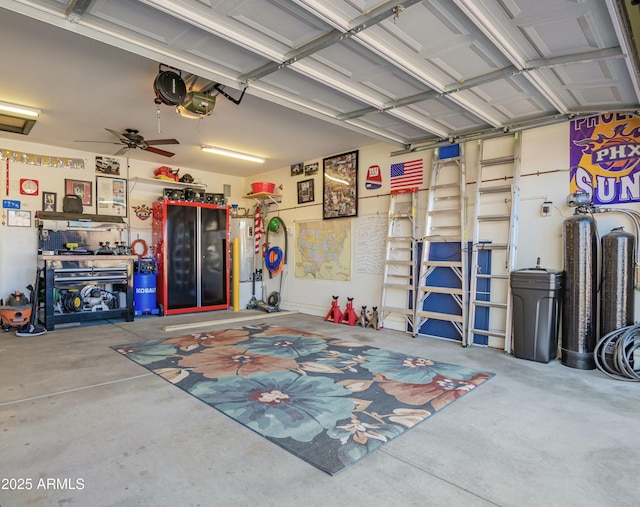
(406, 174)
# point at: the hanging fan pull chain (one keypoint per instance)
(157, 101)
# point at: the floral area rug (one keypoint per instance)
(328, 401)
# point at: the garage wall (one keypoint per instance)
(18, 245)
(545, 177)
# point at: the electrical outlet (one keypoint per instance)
(546, 208)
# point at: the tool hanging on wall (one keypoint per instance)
(275, 257)
(143, 244)
(274, 260)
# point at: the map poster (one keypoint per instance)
(323, 250)
(605, 157)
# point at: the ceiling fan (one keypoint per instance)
(131, 139)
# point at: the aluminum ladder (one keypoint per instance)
(398, 280)
(495, 240)
(445, 223)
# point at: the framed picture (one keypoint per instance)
(81, 189)
(18, 218)
(108, 165)
(297, 169)
(311, 169)
(340, 186)
(49, 201)
(111, 196)
(305, 191)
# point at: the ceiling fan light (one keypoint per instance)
(232, 154)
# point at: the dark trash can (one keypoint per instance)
(536, 294)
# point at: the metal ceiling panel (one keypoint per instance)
(288, 82)
(589, 86)
(393, 127)
(401, 70)
(512, 99)
(428, 42)
(448, 116)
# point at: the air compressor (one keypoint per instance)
(144, 287)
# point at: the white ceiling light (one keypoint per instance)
(21, 110)
(233, 154)
(17, 119)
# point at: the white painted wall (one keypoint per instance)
(544, 177)
(545, 156)
(18, 246)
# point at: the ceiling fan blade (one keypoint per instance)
(114, 132)
(100, 142)
(162, 141)
(158, 151)
(121, 151)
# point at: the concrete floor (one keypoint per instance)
(106, 432)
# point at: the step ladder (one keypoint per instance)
(494, 247)
(398, 280)
(444, 277)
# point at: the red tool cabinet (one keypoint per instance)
(192, 249)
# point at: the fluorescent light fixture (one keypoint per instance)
(17, 119)
(21, 110)
(233, 154)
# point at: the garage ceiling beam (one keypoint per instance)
(329, 38)
(77, 9)
(531, 66)
(507, 129)
(626, 22)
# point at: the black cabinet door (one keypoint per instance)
(213, 246)
(181, 259)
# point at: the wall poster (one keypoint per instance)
(605, 157)
(111, 196)
(340, 187)
(323, 250)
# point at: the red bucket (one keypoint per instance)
(262, 186)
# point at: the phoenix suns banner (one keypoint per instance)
(605, 157)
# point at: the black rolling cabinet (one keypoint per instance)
(80, 288)
(87, 267)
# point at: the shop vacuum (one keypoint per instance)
(21, 314)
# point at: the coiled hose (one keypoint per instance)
(614, 353)
(274, 260)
